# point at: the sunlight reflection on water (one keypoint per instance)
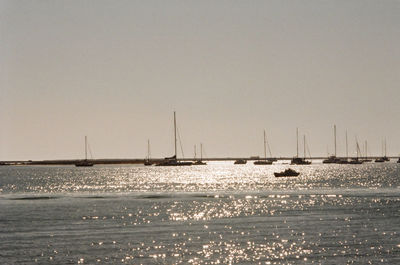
(215, 214)
(213, 177)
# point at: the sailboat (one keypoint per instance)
(384, 158)
(147, 161)
(86, 162)
(173, 161)
(332, 159)
(356, 161)
(264, 161)
(298, 160)
(199, 162)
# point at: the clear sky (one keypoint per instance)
(116, 70)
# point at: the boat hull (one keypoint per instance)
(281, 175)
(174, 164)
(84, 164)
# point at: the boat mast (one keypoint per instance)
(385, 146)
(347, 148)
(304, 142)
(148, 149)
(201, 151)
(195, 153)
(358, 148)
(297, 142)
(334, 133)
(175, 134)
(265, 147)
(366, 149)
(85, 147)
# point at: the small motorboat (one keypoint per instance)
(287, 173)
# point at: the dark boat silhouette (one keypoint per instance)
(331, 160)
(299, 161)
(240, 162)
(84, 163)
(287, 173)
(172, 161)
(355, 161)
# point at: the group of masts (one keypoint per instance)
(358, 159)
(173, 161)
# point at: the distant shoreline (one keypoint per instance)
(154, 160)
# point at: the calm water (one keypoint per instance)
(215, 214)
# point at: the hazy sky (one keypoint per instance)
(116, 70)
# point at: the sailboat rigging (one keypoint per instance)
(147, 161)
(173, 161)
(85, 162)
(199, 161)
(298, 160)
(264, 161)
(333, 158)
(356, 161)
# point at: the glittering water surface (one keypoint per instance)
(215, 214)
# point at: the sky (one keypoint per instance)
(117, 70)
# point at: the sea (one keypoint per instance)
(218, 213)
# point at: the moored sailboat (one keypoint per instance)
(199, 162)
(85, 162)
(356, 160)
(298, 160)
(264, 161)
(332, 159)
(147, 161)
(384, 158)
(173, 161)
